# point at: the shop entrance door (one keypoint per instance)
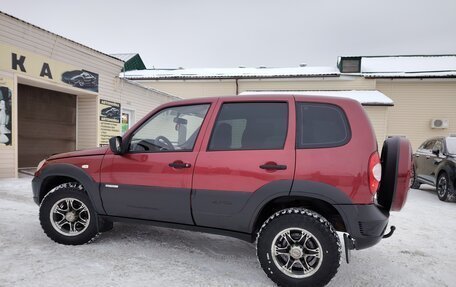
(46, 124)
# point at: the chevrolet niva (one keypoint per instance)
(284, 171)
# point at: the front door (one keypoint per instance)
(246, 159)
(422, 157)
(153, 179)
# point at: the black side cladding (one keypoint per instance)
(390, 161)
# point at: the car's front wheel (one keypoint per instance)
(67, 215)
(414, 183)
(445, 188)
(298, 247)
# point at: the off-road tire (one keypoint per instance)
(312, 223)
(75, 191)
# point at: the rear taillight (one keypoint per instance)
(375, 172)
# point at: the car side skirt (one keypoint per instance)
(239, 235)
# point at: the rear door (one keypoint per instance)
(248, 157)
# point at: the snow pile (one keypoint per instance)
(420, 253)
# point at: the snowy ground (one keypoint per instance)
(421, 252)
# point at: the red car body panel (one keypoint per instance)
(239, 170)
(345, 167)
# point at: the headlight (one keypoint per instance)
(40, 165)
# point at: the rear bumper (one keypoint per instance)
(366, 224)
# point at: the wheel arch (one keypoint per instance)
(324, 208)
(52, 182)
(56, 174)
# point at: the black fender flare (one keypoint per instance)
(331, 195)
(311, 190)
(69, 170)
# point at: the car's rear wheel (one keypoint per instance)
(67, 215)
(445, 188)
(298, 247)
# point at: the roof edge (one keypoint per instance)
(59, 36)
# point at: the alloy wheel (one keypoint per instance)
(297, 252)
(70, 216)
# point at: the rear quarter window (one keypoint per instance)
(321, 125)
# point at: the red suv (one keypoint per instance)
(284, 171)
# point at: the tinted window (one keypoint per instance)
(321, 125)
(248, 126)
(429, 145)
(172, 129)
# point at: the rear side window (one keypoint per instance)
(250, 126)
(321, 125)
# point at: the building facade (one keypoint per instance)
(57, 95)
(422, 88)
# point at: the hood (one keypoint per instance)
(85, 152)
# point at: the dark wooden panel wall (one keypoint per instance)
(46, 124)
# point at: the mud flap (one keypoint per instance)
(349, 245)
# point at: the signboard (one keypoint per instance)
(34, 65)
(110, 125)
(6, 111)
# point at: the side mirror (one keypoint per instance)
(435, 151)
(115, 144)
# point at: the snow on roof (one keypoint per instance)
(230, 73)
(409, 66)
(449, 74)
(124, 56)
(366, 98)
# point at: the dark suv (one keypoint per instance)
(435, 164)
(284, 171)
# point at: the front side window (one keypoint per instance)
(429, 145)
(321, 125)
(438, 146)
(250, 126)
(172, 129)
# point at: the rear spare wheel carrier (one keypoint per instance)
(396, 171)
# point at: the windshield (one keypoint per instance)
(451, 145)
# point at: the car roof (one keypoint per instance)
(271, 97)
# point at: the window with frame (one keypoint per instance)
(250, 126)
(321, 125)
(428, 145)
(438, 146)
(171, 129)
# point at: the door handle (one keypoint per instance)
(273, 166)
(428, 157)
(180, 164)
(417, 155)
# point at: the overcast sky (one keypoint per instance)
(221, 33)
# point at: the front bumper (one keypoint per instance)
(366, 224)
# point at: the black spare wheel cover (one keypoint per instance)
(396, 170)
